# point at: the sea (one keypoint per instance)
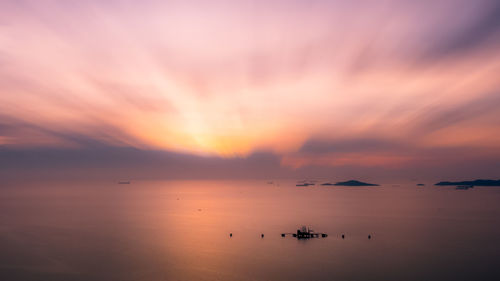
(181, 230)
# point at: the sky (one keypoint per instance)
(275, 88)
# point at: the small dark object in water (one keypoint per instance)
(230, 235)
(199, 210)
(262, 235)
(420, 184)
(369, 236)
(343, 236)
(304, 184)
(304, 233)
(464, 187)
(124, 182)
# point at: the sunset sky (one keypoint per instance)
(349, 87)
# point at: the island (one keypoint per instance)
(471, 183)
(350, 183)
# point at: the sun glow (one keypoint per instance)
(165, 76)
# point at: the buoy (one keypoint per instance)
(343, 236)
(230, 235)
(262, 235)
(369, 236)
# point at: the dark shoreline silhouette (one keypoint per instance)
(350, 183)
(479, 182)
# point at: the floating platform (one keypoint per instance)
(305, 233)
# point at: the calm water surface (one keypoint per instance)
(179, 230)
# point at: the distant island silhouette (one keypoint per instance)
(472, 183)
(350, 183)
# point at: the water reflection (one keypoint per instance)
(180, 231)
